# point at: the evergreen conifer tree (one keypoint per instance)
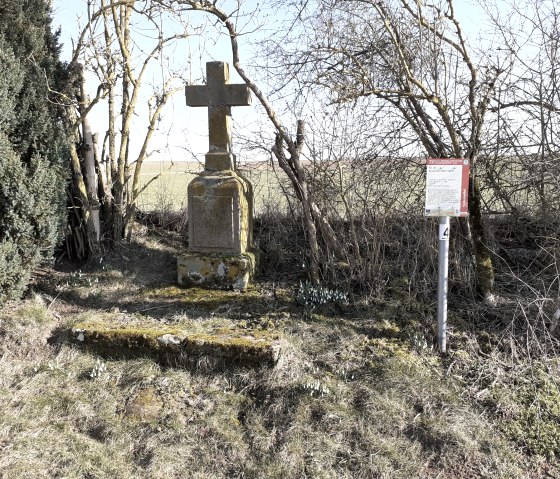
(32, 142)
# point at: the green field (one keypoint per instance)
(169, 190)
(384, 186)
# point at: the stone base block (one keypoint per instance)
(175, 344)
(216, 270)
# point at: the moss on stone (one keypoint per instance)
(134, 338)
(146, 406)
(124, 335)
(245, 347)
(216, 270)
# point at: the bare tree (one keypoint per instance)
(107, 187)
(527, 107)
(415, 58)
(287, 148)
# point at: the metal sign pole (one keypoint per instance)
(447, 187)
(444, 225)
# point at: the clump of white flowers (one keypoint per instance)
(311, 295)
(98, 370)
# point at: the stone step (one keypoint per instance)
(176, 343)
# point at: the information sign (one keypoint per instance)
(447, 186)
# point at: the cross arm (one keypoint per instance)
(232, 95)
(197, 95)
(237, 95)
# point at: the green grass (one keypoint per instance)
(169, 190)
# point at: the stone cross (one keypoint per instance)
(220, 199)
(219, 96)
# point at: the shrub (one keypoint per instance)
(32, 142)
(29, 218)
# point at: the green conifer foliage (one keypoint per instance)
(28, 220)
(32, 142)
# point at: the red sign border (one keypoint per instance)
(465, 172)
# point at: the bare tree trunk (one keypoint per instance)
(482, 254)
(86, 242)
(93, 247)
(110, 159)
(101, 184)
(121, 21)
(88, 151)
(293, 169)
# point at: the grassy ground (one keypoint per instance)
(358, 392)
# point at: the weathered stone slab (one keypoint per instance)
(219, 161)
(213, 223)
(145, 406)
(172, 343)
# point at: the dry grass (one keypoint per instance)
(359, 393)
(340, 405)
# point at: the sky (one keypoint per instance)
(183, 129)
(184, 135)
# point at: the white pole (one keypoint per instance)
(444, 225)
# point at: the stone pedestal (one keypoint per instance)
(220, 226)
(216, 270)
(220, 205)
